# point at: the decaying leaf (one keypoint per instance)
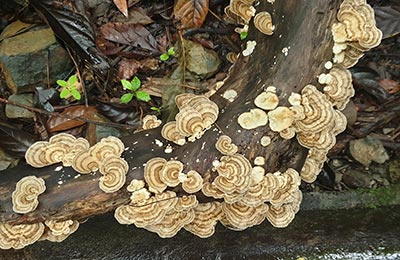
(122, 6)
(135, 35)
(388, 20)
(57, 123)
(14, 141)
(191, 13)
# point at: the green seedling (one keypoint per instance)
(133, 86)
(69, 88)
(157, 109)
(169, 53)
(243, 35)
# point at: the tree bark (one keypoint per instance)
(303, 27)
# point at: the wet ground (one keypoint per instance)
(340, 234)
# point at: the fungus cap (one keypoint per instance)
(280, 118)
(225, 146)
(267, 100)
(19, 236)
(114, 170)
(253, 119)
(263, 22)
(152, 174)
(193, 183)
(170, 173)
(58, 231)
(150, 122)
(206, 217)
(25, 195)
(171, 133)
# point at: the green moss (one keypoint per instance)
(383, 196)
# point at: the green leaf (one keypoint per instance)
(164, 57)
(126, 98)
(171, 51)
(62, 83)
(126, 84)
(135, 83)
(64, 93)
(243, 35)
(72, 80)
(158, 109)
(143, 96)
(75, 93)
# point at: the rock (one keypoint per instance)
(201, 61)
(26, 57)
(357, 179)
(367, 150)
(19, 112)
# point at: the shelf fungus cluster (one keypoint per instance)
(241, 12)
(105, 157)
(25, 195)
(196, 115)
(355, 32)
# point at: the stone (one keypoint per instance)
(201, 61)
(19, 112)
(6, 161)
(368, 149)
(27, 58)
(394, 171)
(357, 179)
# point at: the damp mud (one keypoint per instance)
(322, 234)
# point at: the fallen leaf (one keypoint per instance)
(390, 85)
(122, 6)
(191, 13)
(128, 68)
(388, 20)
(15, 141)
(57, 123)
(132, 34)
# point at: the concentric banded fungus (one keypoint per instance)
(280, 118)
(259, 190)
(182, 99)
(288, 133)
(225, 146)
(310, 170)
(109, 146)
(233, 178)
(231, 57)
(135, 185)
(253, 119)
(355, 32)
(186, 203)
(84, 163)
(150, 122)
(193, 182)
(173, 221)
(289, 183)
(170, 173)
(149, 212)
(19, 236)
(338, 87)
(209, 110)
(210, 190)
(280, 217)
(58, 231)
(267, 100)
(171, 133)
(244, 10)
(25, 196)
(152, 174)
(239, 216)
(189, 121)
(140, 195)
(206, 217)
(263, 22)
(114, 170)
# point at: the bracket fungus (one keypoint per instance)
(225, 146)
(150, 122)
(267, 100)
(338, 87)
(280, 118)
(206, 216)
(253, 119)
(19, 236)
(25, 195)
(152, 174)
(58, 231)
(263, 22)
(243, 9)
(170, 173)
(238, 216)
(193, 182)
(114, 170)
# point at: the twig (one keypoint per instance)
(41, 111)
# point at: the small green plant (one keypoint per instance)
(133, 86)
(157, 109)
(70, 87)
(243, 35)
(169, 53)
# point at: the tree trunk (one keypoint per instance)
(302, 26)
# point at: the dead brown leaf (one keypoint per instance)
(122, 6)
(390, 85)
(57, 123)
(191, 13)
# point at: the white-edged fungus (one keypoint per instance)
(263, 22)
(19, 236)
(25, 195)
(280, 118)
(253, 119)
